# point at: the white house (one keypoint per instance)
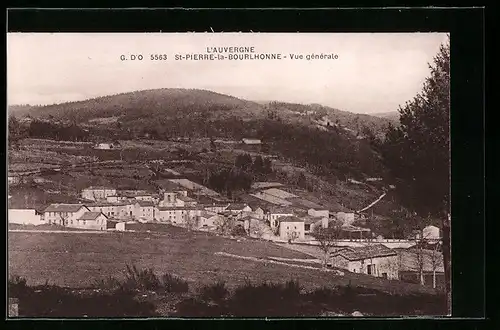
(174, 199)
(345, 217)
(115, 210)
(145, 211)
(239, 209)
(277, 212)
(311, 222)
(431, 232)
(108, 146)
(291, 227)
(63, 214)
(376, 260)
(178, 214)
(97, 193)
(207, 220)
(319, 213)
(90, 220)
(24, 217)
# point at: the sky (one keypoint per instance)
(374, 72)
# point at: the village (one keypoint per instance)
(271, 212)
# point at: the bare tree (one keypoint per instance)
(327, 239)
(224, 225)
(256, 228)
(292, 236)
(191, 222)
(64, 219)
(436, 261)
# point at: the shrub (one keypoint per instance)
(215, 292)
(144, 279)
(17, 287)
(174, 284)
(108, 283)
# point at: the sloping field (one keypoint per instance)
(78, 260)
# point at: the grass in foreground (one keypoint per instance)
(145, 294)
(77, 260)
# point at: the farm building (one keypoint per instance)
(431, 262)
(108, 146)
(25, 217)
(251, 141)
(319, 213)
(97, 193)
(376, 260)
(265, 185)
(63, 214)
(291, 227)
(90, 220)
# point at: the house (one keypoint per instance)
(274, 213)
(63, 214)
(25, 217)
(14, 179)
(346, 218)
(145, 211)
(431, 233)
(291, 227)
(188, 201)
(97, 193)
(108, 146)
(212, 205)
(239, 209)
(430, 261)
(207, 220)
(376, 260)
(251, 141)
(178, 215)
(354, 232)
(90, 220)
(114, 210)
(319, 213)
(174, 199)
(312, 222)
(258, 213)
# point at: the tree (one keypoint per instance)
(436, 261)
(292, 236)
(418, 151)
(16, 132)
(258, 165)
(327, 239)
(224, 225)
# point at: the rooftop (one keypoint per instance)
(173, 208)
(145, 203)
(64, 208)
(365, 252)
(90, 215)
(236, 206)
(99, 188)
(186, 199)
(289, 219)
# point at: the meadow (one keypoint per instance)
(78, 260)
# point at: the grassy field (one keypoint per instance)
(78, 260)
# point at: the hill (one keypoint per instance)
(392, 115)
(332, 142)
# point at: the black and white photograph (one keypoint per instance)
(228, 175)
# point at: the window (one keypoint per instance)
(369, 269)
(384, 275)
(84, 222)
